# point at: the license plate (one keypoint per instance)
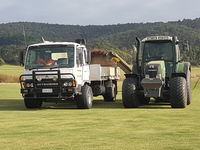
(47, 90)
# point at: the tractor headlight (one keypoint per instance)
(146, 76)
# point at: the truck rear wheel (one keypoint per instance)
(84, 101)
(32, 103)
(111, 93)
(129, 94)
(178, 92)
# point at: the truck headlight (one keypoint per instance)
(29, 85)
(69, 83)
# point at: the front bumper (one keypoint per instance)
(49, 93)
(47, 88)
(151, 83)
(152, 87)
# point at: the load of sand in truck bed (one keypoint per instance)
(100, 57)
(109, 59)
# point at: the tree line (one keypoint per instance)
(120, 38)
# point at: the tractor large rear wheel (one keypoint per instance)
(178, 92)
(129, 94)
(189, 90)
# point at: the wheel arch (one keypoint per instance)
(182, 70)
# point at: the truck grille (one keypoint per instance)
(46, 84)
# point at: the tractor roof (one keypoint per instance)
(157, 38)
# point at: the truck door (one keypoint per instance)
(83, 70)
(79, 65)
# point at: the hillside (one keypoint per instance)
(119, 38)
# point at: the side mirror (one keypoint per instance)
(186, 46)
(134, 49)
(21, 58)
(88, 57)
(138, 42)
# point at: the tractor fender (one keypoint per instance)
(179, 75)
(182, 70)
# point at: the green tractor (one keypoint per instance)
(158, 73)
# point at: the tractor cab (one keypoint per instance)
(161, 51)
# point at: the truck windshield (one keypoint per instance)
(158, 50)
(52, 56)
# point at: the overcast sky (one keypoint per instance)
(98, 12)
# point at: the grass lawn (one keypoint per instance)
(107, 126)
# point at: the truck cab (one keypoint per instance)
(56, 71)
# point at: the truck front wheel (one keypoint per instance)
(32, 103)
(84, 101)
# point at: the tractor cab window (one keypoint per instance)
(158, 50)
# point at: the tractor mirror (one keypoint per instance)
(186, 46)
(88, 57)
(134, 49)
(21, 58)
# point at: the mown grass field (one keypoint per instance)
(11, 70)
(107, 126)
(10, 73)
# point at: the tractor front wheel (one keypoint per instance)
(178, 92)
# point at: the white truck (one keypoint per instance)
(59, 71)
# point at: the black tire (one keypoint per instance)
(130, 97)
(32, 103)
(178, 92)
(110, 95)
(189, 90)
(84, 101)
